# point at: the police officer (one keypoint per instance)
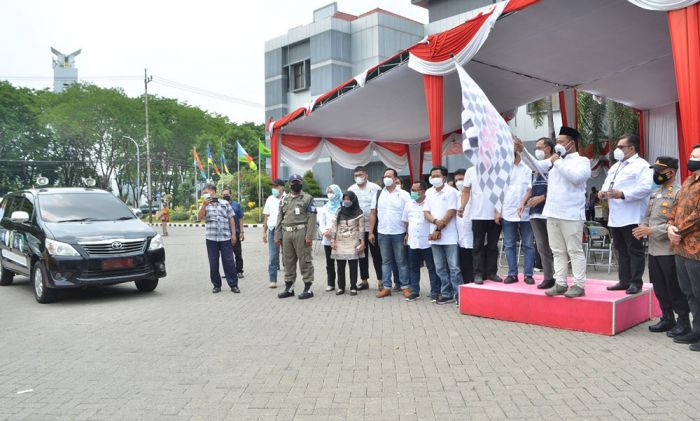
(295, 232)
(662, 268)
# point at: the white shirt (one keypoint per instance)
(272, 210)
(464, 229)
(519, 183)
(418, 226)
(634, 178)
(481, 207)
(566, 186)
(390, 210)
(365, 196)
(325, 222)
(438, 203)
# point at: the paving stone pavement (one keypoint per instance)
(182, 353)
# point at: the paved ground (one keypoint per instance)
(184, 353)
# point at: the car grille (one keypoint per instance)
(114, 247)
(98, 273)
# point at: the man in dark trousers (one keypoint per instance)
(238, 218)
(220, 237)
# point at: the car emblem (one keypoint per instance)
(117, 245)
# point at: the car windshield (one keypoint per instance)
(82, 207)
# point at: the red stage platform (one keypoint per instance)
(600, 311)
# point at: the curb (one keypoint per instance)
(200, 225)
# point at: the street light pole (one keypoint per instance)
(138, 171)
(146, 80)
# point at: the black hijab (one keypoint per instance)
(353, 211)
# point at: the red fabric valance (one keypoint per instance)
(301, 144)
(442, 45)
(400, 149)
(349, 145)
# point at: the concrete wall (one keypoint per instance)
(441, 9)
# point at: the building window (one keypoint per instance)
(299, 76)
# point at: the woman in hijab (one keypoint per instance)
(326, 216)
(348, 245)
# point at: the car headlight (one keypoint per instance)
(156, 243)
(57, 248)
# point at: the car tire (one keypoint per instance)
(146, 285)
(6, 276)
(42, 293)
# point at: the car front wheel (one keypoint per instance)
(42, 294)
(6, 276)
(146, 285)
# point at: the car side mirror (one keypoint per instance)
(19, 216)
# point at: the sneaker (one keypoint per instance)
(272, 285)
(445, 300)
(529, 280)
(434, 297)
(240, 275)
(384, 292)
(510, 279)
(694, 347)
(353, 292)
(235, 290)
(413, 297)
(329, 288)
(556, 290)
(575, 291)
(215, 290)
(407, 292)
(340, 292)
(363, 286)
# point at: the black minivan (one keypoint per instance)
(73, 238)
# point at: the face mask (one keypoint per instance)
(459, 185)
(561, 150)
(275, 192)
(618, 154)
(539, 154)
(347, 203)
(226, 197)
(360, 180)
(436, 181)
(296, 187)
(388, 181)
(330, 196)
(414, 195)
(693, 165)
(206, 196)
(659, 178)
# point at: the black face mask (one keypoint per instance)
(693, 165)
(659, 178)
(227, 197)
(296, 187)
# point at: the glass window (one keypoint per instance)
(75, 207)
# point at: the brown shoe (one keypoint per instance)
(384, 292)
(406, 292)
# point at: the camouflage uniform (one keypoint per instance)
(297, 224)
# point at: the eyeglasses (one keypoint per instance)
(623, 146)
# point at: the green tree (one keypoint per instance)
(311, 184)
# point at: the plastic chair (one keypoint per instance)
(600, 242)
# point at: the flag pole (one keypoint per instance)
(259, 186)
(238, 165)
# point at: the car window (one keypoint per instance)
(65, 207)
(4, 206)
(18, 203)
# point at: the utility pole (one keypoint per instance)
(146, 80)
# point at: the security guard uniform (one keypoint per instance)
(296, 224)
(662, 267)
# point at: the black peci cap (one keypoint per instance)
(568, 131)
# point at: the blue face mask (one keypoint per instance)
(414, 195)
(347, 203)
(275, 192)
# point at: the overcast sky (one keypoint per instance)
(207, 44)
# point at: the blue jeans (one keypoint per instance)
(392, 250)
(225, 249)
(511, 230)
(447, 267)
(415, 257)
(274, 251)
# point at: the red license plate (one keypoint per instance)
(118, 264)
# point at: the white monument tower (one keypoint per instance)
(64, 71)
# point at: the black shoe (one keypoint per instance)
(664, 325)
(478, 279)
(362, 286)
(340, 292)
(681, 329)
(546, 284)
(690, 338)
(235, 290)
(494, 277)
(396, 287)
(307, 292)
(288, 291)
(633, 289)
(445, 300)
(241, 275)
(695, 346)
(617, 287)
(434, 298)
(413, 297)
(510, 279)
(215, 290)
(529, 280)
(353, 292)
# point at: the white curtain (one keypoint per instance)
(391, 159)
(462, 57)
(661, 133)
(300, 160)
(663, 5)
(347, 160)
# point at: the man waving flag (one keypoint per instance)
(487, 140)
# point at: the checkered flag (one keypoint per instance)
(487, 140)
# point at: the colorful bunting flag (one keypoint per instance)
(263, 150)
(245, 158)
(198, 163)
